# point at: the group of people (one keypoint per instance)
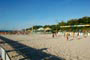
(68, 35)
(73, 35)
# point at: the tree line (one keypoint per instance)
(79, 21)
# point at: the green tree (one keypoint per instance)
(62, 23)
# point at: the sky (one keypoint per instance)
(20, 14)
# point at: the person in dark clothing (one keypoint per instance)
(53, 33)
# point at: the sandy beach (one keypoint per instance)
(72, 49)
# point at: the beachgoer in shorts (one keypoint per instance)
(67, 35)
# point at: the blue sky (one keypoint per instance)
(19, 14)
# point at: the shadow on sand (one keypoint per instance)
(30, 53)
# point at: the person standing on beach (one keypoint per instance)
(67, 35)
(84, 33)
(53, 33)
(64, 34)
(78, 35)
(73, 34)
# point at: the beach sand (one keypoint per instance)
(72, 49)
